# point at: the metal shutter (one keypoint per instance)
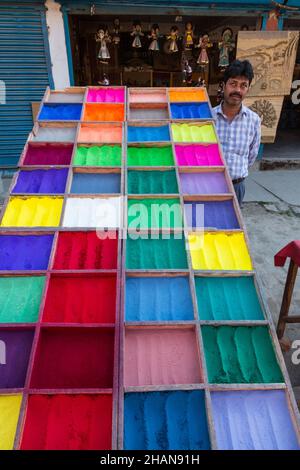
(24, 68)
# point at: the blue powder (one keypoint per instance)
(93, 183)
(227, 298)
(190, 111)
(148, 134)
(165, 421)
(60, 112)
(25, 252)
(158, 299)
(217, 214)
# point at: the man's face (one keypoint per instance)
(235, 90)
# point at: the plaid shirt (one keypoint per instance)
(240, 139)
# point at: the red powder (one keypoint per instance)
(84, 250)
(48, 154)
(74, 358)
(81, 299)
(68, 422)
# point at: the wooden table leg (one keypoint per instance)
(287, 297)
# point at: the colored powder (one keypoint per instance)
(33, 212)
(73, 299)
(148, 133)
(10, 406)
(97, 133)
(183, 96)
(65, 97)
(193, 133)
(48, 154)
(154, 213)
(157, 253)
(147, 97)
(161, 356)
(150, 156)
(203, 183)
(253, 420)
(16, 355)
(74, 358)
(198, 155)
(96, 183)
(227, 298)
(41, 181)
(55, 134)
(217, 214)
(25, 252)
(104, 155)
(104, 112)
(20, 299)
(60, 112)
(152, 182)
(190, 111)
(165, 421)
(219, 251)
(86, 250)
(144, 114)
(68, 422)
(240, 355)
(170, 299)
(106, 95)
(93, 212)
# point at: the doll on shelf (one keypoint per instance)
(103, 37)
(171, 45)
(226, 45)
(154, 36)
(116, 32)
(137, 34)
(188, 36)
(204, 44)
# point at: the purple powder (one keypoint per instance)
(41, 182)
(203, 183)
(25, 252)
(15, 352)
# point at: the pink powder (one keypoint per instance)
(106, 95)
(198, 155)
(161, 357)
(155, 97)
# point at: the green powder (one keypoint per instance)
(152, 182)
(154, 213)
(150, 156)
(240, 355)
(20, 298)
(156, 253)
(104, 155)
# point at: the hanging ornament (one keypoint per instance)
(103, 38)
(171, 45)
(154, 36)
(204, 44)
(226, 45)
(188, 36)
(137, 34)
(116, 32)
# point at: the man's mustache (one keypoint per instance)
(236, 94)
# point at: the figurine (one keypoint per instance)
(104, 81)
(104, 38)
(225, 46)
(188, 36)
(137, 34)
(172, 41)
(187, 73)
(116, 36)
(204, 44)
(154, 46)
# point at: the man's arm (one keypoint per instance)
(254, 147)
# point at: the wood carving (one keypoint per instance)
(268, 109)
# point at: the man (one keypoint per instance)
(239, 128)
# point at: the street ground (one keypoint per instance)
(271, 213)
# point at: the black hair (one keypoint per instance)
(239, 68)
(174, 28)
(155, 26)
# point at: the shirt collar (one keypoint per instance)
(219, 110)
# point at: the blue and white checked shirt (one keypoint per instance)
(240, 139)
